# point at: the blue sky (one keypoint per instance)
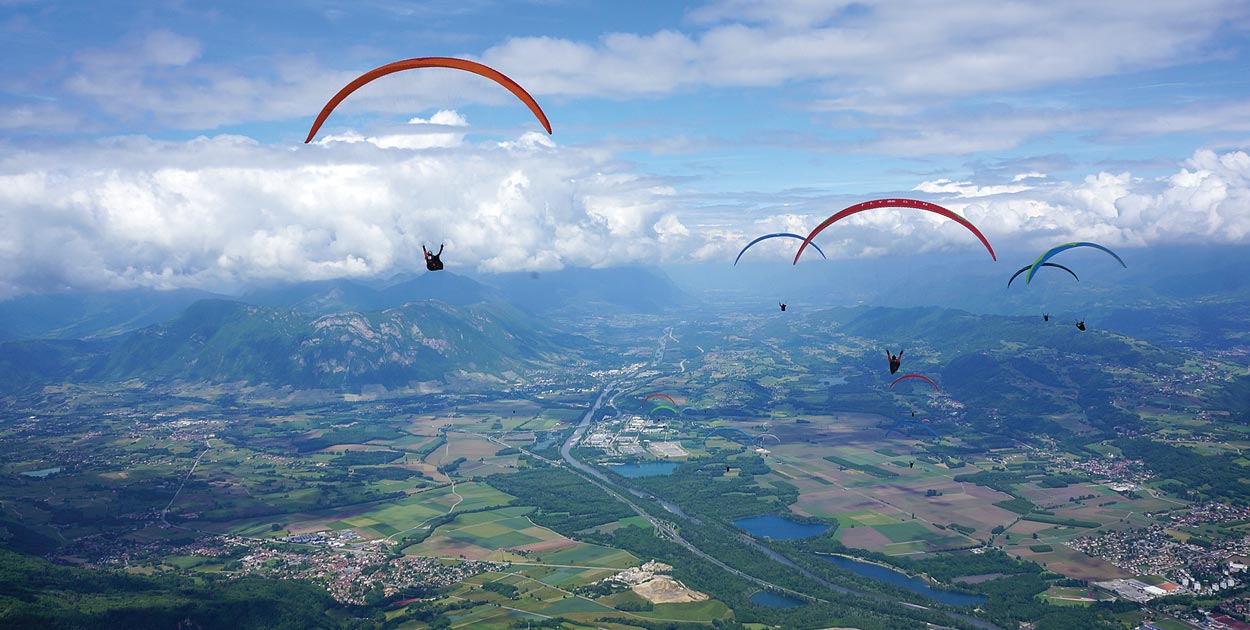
(165, 141)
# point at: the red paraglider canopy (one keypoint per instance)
(670, 398)
(921, 376)
(429, 62)
(894, 203)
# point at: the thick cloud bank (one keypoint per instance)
(217, 212)
(1207, 200)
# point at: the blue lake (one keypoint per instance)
(778, 527)
(775, 600)
(913, 584)
(645, 469)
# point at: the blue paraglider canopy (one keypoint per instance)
(776, 235)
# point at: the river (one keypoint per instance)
(602, 481)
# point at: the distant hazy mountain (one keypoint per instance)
(338, 296)
(316, 297)
(592, 291)
(79, 315)
(573, 291)
(226, 341)
(1026, 368)
(83, 315)
(952, 333)
(444, 286)
(1179, 295)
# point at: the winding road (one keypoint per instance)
(459, 498)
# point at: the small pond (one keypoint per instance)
(778, 527)
(775, 600)
(42, 473)
(645, 469)
(544, 442)
(913, 584)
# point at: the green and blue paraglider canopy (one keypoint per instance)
(1050, 253)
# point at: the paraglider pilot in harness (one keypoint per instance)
(895, 360)
(1080, 325)
(1045, 317)
(432, 262)
(783, 306)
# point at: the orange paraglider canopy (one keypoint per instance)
(429, 62)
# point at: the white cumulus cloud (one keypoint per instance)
(968, 189)
(219, 211)
(419, 133)
(1206, 200)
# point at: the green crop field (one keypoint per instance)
(566, 577)
(402, 514)
(634, 521)
(480, 495)
(593, 556)
(703, 611)
(499, 541)
(576, 605)
(907, 531)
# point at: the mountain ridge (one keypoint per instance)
(81, 315)
(222, 341)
